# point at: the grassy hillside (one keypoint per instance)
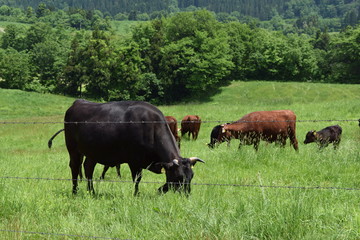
(123, 28)
(226, 200)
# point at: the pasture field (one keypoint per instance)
(274, 193)
(123, 28)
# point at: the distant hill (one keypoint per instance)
(262, 9)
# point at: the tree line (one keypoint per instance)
(170, 59)
(261, 9)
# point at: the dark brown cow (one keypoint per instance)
(270, 126)
(191, 125)
(172, 122)
(331, 134)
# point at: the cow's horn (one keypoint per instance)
(176, 162)
(193, 160)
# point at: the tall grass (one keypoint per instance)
(225, 203)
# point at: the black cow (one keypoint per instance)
(106, 167)
(80, 171)
(331, 134)
(131, 132)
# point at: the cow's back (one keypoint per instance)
(172, 122)
(269, 125)
(117, 131)
(265, 121)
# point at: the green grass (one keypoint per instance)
(123, 28)
(212, 211)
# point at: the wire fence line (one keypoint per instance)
(57, 234)
(195, 184)
(158, 122)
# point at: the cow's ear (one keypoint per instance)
(314, 133)
(223, 130)
(166, 166)
(194, 160)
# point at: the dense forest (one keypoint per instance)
(261, 9)
(171, 58)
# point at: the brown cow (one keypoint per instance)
(270, 126)
(173, 127)
(191, 125)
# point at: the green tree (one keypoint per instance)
(196, 58)
(48, 59)
(78, 21)
(97, 60)
(37, 33)
(344, 56)
(239, 41)
(42, 10)
(73, 73)
(14, 69)
(12, 38)
(127, 81)
(272, 55)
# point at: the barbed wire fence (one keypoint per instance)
(162, 122)
(196, 184)
(147, 182)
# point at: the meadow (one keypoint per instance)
(274, 193)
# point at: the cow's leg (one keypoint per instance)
(75, 166)
(256, 143)
(228, 142)
(164, 188)
(89, 166)
(136, 173)
(196, 135)
(293, 140)
(118, 170)
(282, 141)
(336, 144)
(106, 167)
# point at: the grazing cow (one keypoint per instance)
(80, 171)
(173, 128)
(270, 126)
(191, 125)
(131, 132)
(331, 134)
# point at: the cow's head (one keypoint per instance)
(179, 174)
(310, 137)
(218, 135)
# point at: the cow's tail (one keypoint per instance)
(50, 140)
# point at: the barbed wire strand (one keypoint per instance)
(158, 122)
(57, 234)
(197, 184)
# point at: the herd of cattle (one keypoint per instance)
(137, 133)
